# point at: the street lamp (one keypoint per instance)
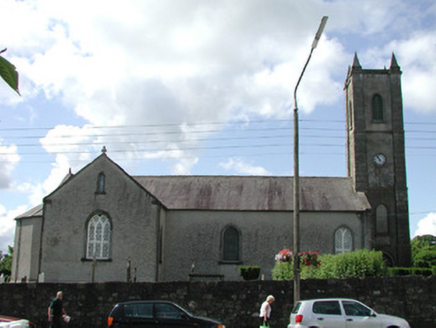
(296, 173)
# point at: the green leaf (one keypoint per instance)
(9, 74)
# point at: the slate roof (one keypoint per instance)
(35, 211)
(253, 193)
(248, 193)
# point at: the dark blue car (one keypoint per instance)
(156, 314)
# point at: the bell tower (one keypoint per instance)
(376, 155)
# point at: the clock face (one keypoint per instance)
(379, 159)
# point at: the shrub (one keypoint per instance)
(249, 272)
(424, 251)
(425, 258)
(360, 263)
(326, 270)
(283, 270)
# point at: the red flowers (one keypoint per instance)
(307, 258)
(285, 255)
(310, 258)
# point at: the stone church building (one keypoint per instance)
(102, 224)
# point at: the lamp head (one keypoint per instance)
(319, 32)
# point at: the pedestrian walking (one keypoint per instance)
(56, 312)
(265, 311)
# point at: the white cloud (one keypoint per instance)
(417, 57)
(159, 62)
(127, 65)
(190, 61)
(7, 225)
(240, 167)
(69, 143)
(426, 226)
(183, 166)
(9, 158)
(98, 61)
(206, 60)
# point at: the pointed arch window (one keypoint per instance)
(343, 240)
(101, 183)
(231, 247)
(377, 108)
(99, 237)
(381, 219)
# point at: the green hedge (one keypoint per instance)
(249, 272)
(360, 263)
(393, 272)
(283, 270)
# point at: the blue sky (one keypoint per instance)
(203, 87)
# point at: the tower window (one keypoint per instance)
(381, 214)
(377, 108)
(99, 237)
(343, 240)
(231, 245)
(350, 116)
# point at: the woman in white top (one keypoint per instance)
(265, 310)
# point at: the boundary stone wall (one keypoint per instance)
(236, 303)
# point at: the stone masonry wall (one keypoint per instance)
(236, 304)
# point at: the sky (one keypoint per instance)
(176, 87)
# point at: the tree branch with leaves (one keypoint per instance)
(8, 73)
(6, 263)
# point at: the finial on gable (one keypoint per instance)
(104, 150)
(67, 177)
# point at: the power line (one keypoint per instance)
(131, 139)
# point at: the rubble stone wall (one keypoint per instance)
(236, 304)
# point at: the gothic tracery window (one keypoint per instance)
(99, 237)
(343, 240)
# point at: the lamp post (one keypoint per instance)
(296, 227)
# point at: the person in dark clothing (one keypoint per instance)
(56, 311)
